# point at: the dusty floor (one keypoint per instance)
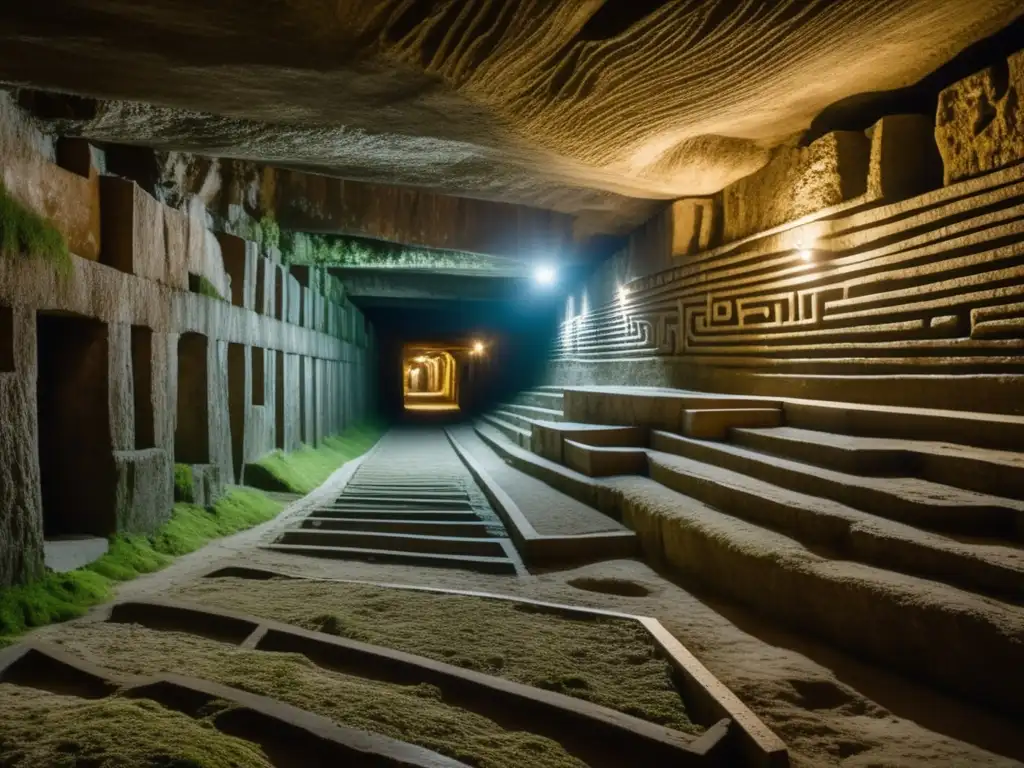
(829, 708)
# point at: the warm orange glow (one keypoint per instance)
(429, 379)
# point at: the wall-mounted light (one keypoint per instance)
(545, 275)
(805, 254)
(478, 348)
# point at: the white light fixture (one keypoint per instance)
(804, 253)
(545, 275)
(623, 293)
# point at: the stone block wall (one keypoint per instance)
(980, 122)
(882, 267)
(115, 372)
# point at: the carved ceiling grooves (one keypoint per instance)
(586, 107)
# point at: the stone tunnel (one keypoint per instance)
(512, 384)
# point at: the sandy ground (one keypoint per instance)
(829, 708)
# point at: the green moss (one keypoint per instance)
(304, 470)
(47, 729)
(302, 248)
(63, 596)
(57, 597)
(202, 285)
(183, 483)
(270, 233)
(415, 713)
(25, 233)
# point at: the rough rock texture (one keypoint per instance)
(578, 106)
(21, 519)
(795, 182)
(145, 493)
(980, 121)
(69, 200)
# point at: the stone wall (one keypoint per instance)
(980, 122)
(843, 270)
(113, 372)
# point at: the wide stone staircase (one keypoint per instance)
(410, 502)
(894, 533)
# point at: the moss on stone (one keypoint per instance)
(183, 483)
(23, 232)
(40, 728)
(63, 596)
(413, 713)
(202, 285)
(270, 233)
(303, 470)
(607, 661)
(340, 250)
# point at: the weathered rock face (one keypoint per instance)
(980, 121)
(796, 182)
(583, 107)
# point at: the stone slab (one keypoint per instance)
(595, 461)
(715, 423)
(547, 437)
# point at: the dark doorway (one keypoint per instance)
(192, 433)
(76, 459)
(237, 403)
(142, 384)
(279, 400)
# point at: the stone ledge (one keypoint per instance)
(533, 547)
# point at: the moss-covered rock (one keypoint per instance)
(25, 233)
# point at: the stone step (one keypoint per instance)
(981, 430)
(843, 531)
(540, 398)
(595, 461)
(495, 565)
(410, 490)
(1000, 473)
(654, 407)
(442, 545)
(947, 637)
(887, 617)
(518, 435)
(533, 411)
(908, 500)
(715, 423)
(549, 437)
(401, 524)
(397, 514)
(409, 501)
(515, 419)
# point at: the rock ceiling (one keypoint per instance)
(590, 107)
